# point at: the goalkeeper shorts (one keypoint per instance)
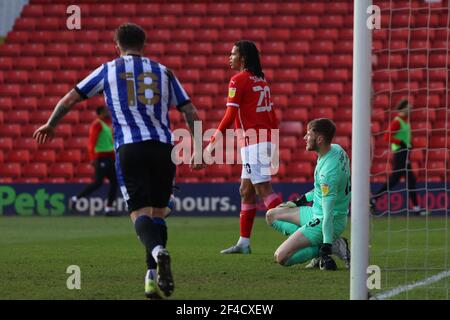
(311, 226)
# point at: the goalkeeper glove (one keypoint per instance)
(325, 261)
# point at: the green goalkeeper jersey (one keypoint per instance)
(331, 188)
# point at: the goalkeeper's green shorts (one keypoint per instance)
(311, 227)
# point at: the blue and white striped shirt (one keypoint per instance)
(138, 93)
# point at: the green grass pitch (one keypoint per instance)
(36, 251)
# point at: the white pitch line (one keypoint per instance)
(400, 289)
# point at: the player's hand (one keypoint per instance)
(326, 262)
(301, 201)
(287, 204)
(44, 134)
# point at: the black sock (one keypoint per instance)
(162, 228)
(151, 235)
(151, 263)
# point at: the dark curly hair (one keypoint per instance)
(130, 36)
(252, 63)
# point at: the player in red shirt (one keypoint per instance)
(249, 106)
(101, 153)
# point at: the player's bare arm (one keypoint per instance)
(190, 116)
(47, 131)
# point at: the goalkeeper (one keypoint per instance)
(314, 232)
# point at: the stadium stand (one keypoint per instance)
(306, 54)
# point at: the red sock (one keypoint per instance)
(272, 200)
(247, 216)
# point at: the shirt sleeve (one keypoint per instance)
(234, 93)
(328, 188)
(393, 128)
(92, 84)
(178, 95)
(94, 131)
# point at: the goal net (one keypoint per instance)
(409, 228)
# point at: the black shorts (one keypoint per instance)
(146, 172)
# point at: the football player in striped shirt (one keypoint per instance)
(138, 92)
(249, 106)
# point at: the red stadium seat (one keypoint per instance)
(256, 34)
(10, 50)
(25, 24)
(95, 23)
(17, 117)
(35, 90)
(299, 169)
(33, 10)
(289, 8)
(326, 101)
(16, 77)
(35, 170)
(56, 144)
(84, 170)
(337, 75)
(46, 156)
(213, 22)
(56, 10)
(73, 156)
(291, 128)
(147, 9)
(10, 170)
(311, 88)
(205, 48)
(281, 88)
(81, 49)
(327, 34)
(49, 63)
(236, 23)
(173, 8)
(187, 22)
(322, 47)
(304, 101)
(284, 21)
(61, 170)
(41, 76)
(81, 130)
(10, 130)
(298, 48)
(33, 50)
(27, 143)
(207, 88)
(317, 60)
(76, 143)
(63, 37)
(87, 116)
(311, 75)
(18, 37)
(10, 90)
(6, 143)
(309, 21)
(5, 63)
(18, 156)
(270, 61)
(57, 49)
(194, 9)
(331, 88)
(287, 75)
(293, 61)
(5, 103)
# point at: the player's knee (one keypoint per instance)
(247, 194)
(280, 257)
(270, 216)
